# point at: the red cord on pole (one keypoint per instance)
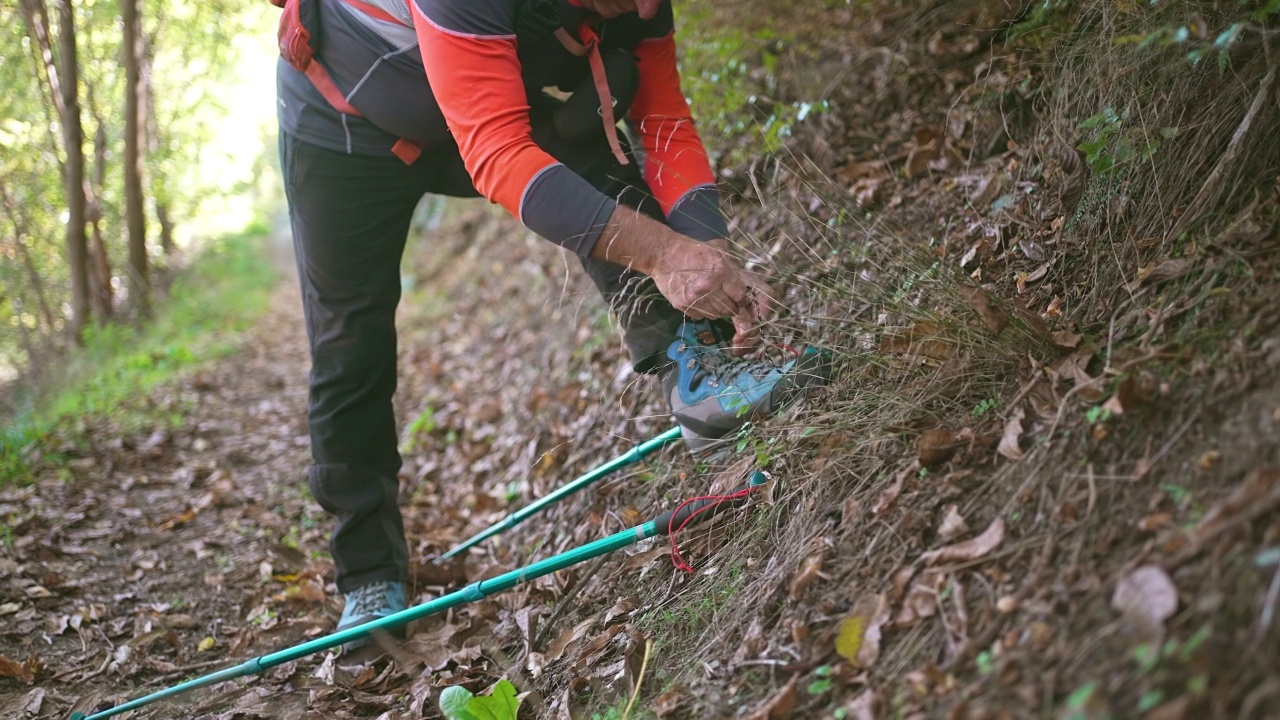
(676, 558)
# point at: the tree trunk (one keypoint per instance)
(63, 87)
(99, 264)
(135, 213)
(19, 221)
(151, 127)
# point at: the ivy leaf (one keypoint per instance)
(453, 703)
(500, 704)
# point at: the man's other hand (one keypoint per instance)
(703, 281)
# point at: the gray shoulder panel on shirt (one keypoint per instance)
(478, 18)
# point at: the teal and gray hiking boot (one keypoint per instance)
(368, 603)
(713, 393)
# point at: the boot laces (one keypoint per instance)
(718, 368)
(370, 599)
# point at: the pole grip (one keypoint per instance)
(705, 508)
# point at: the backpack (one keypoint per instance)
(610, 88)
(299, 36)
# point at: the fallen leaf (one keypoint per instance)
(1010, 446)
(623, 607)
(9, 608)
(640, 559)
(993, 317)
(969, 549)
(922, 340)
(1258, 494)
(858, 639)
(1146, 597)
(206, 644)
(924, 149)
(1208, 459)
(1155, 522)
(862, 707)
(889, 495)
(868, 192)
(935, 446)
(921, 600)
(1065, 338)
(17, 671)
(953, 525)
(594, 646)
(557, 647)
(32, 703)
(36, 592)
(1165, 270)
(670, 702)
(779, 706)
(804, 577)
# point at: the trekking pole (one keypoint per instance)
(686, 513)
(632, 456)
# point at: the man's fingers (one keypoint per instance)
(744, 335)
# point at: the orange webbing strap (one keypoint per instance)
(592, 50)
(407, 150)
(319, 77)
(374, 11)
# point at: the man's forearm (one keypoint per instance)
(636, 241)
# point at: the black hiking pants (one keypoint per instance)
(350, 216)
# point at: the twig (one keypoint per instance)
(566, 600)
(644, 667)
(1269, 606)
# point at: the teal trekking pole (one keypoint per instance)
(671, 521)
(631, 457)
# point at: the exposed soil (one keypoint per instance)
(1043, 482)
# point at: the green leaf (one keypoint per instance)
(453, 703)
(500, 704)
(1228, 36)
(818, 687)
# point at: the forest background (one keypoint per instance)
(1039, 236)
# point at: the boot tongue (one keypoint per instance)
(706, 337)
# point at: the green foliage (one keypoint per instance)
(1109, 147)
(206, 310)
(422, 426)
(458, 703)
(194, 48)
(824, 683)
(984, 407)
(730, 94)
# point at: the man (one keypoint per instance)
(447, 97)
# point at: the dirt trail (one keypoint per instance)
(156, 557)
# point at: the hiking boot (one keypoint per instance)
(368, 603)
(713, 393)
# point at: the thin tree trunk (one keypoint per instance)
(99, 264)
(63, 86)
(20, 232)
(135, 213)
(152, 131)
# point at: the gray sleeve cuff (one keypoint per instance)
(697, 214)
(563, 208)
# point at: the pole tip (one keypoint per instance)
(758, 478)
(77, 716)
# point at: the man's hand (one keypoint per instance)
(700, 279)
